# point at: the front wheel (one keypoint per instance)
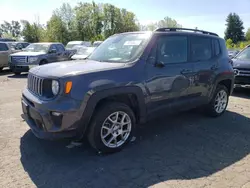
(219, 103)
(112, 127)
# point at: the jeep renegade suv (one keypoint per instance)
(129, 79)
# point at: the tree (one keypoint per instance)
(56, 30)
(234, 28)
(229, 43)
(84, 21)
(32, 32)
(166, 22)
(15, 28)
(12, 29)
(118, 20)
(248, 35)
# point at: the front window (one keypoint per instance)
(244, 55)
(37, 48)
(121, 48)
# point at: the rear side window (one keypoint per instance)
(172, 49)
(216, 45)
(3, 47)
(60, 48)
(201, 48)
(53, 47)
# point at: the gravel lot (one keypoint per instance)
(184, 150)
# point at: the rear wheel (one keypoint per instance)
(43, 62)
(17, 73)
(219, 103)
(112, 127)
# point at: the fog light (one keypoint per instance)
(56, 113)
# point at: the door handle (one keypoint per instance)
(186, 71)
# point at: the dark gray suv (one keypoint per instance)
(129, 79)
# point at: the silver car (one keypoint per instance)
(5, 51)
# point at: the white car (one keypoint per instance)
(97, 43)
(71, 44)
(82, 52)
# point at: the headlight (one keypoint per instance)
(55, 87)
(33, 59)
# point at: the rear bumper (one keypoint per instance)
(45, 125)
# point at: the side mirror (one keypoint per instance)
(52, 51)
(159, 64)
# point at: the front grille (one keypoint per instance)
(242, 72)
(40, 86)
(19, 59)
(35, 84)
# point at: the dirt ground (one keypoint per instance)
(184, 150)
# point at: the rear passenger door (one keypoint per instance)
(204, 54)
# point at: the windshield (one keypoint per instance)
(244, 55)
(120, 48)
(37, 48)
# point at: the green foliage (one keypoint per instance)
(118, 20)
(97, 38)
(56, 30)
(234, 28)
(166, 22)
(248, 35)
(10, 30)
(229, 43)
(32, 32)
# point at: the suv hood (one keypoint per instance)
(237, 63)
(70, 68)
(28, 53)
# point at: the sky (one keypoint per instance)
(206, 15)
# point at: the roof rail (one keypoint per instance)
(185, 29)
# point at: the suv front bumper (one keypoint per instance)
(242, 77)
(39, 116)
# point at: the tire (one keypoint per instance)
(17, 73)
(96, 127)
(1, 68)
(211, 109)
(43, 62)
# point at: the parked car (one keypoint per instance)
(241, 65)
(97, 43)
(5, 51)
(37, 54)
(19, 45)
(129, 79)
(7, 40)
(71, 44)
(232, 53)
(83, 52)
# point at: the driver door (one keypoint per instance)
(52, 57)
(168, 75)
